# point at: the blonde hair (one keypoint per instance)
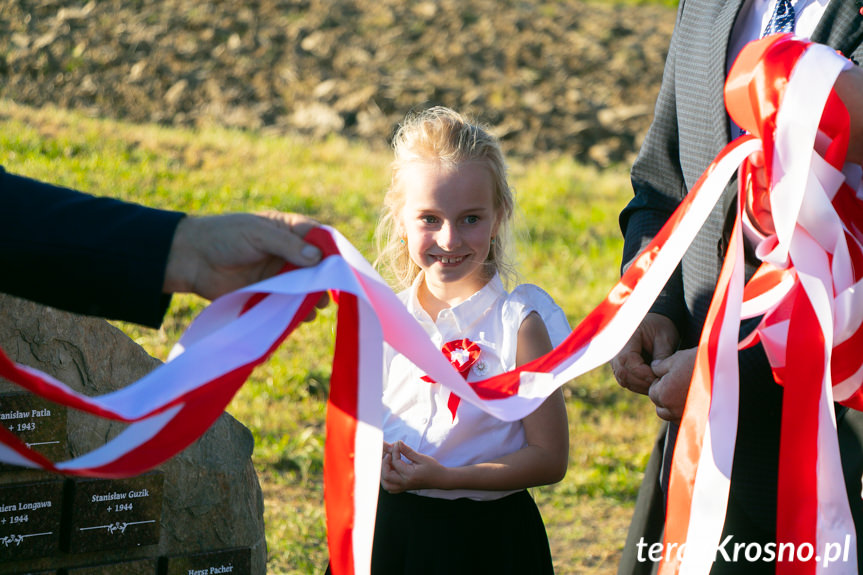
(443, 135)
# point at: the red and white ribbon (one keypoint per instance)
(805, 291)
(177, 402)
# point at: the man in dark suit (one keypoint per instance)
(103, 257)
(689, 129)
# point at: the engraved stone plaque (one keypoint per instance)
(113, 513)
(142, 567)
(36, 421)
(232, 561)
(30, 519)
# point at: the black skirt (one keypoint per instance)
(417, 535)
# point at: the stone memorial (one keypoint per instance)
(108, 514)
(232, 561)
(36, 421)
(30, 519)
(204, 501)
(141, 567)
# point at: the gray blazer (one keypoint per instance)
(689, 129)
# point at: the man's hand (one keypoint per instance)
(668, 393)
(757, 204)
(655, 339)
(849, 88)
(214, 255)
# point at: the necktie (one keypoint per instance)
(782, 19)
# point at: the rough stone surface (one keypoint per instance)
(211, 496)
(567, 76)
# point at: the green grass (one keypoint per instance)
(569, 244)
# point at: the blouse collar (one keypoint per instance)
(462, 315)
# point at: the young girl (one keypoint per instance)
(454, 479)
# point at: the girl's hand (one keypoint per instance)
(418, 472)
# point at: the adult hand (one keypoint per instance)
(214, 255)
(655, 339)
(418, 472)
(757, 204)
(849, 87)
(668, 393)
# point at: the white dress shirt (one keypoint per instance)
(753, 18)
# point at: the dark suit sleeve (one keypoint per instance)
(658, 187)
(85, 254)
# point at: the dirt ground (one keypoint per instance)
(569, 77)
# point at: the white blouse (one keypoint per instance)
(419, 413)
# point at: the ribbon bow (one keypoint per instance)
(462, 354)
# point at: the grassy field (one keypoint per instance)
(569, 244)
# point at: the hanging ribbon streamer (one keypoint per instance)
(805, 292)
(172, 406)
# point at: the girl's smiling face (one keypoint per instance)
(448, 221)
